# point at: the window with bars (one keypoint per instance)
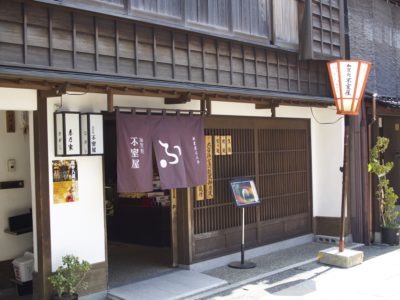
(278, 159)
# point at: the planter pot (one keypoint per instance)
(390, 236)
(66, 297)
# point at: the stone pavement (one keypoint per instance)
(378, 277)
(183, 284)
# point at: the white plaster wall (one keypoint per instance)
(16, 146)
(17, 99)
(78, 228)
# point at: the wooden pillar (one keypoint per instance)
(110, 101)
(185, 226)
(41, 284)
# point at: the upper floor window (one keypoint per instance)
(250, 17)
(211, 12)
(163, 7)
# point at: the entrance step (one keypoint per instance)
(175, 285)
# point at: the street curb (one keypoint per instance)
(255, 278)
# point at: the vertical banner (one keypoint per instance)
(223, 144)
(229, 145)
(65, 181)
(210, 177)
(134, 153)
(217, 145)
(194, 150)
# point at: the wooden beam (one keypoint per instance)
(154, 52)
(189, 60)
(42, 180)
(50, 24)
(110, 101)
(266, 105)
(96, 43)
(117, 46)
(73, 20)
(184, 98)
(136, 50)
(25, 32)
(173, 53)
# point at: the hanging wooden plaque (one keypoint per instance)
(209, 190)
(223, 144)
(10, 121)
(173, 195)
(229, 145)
(200, 193)
(217, 145)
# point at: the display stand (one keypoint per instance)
(245, 194)
(242, 264)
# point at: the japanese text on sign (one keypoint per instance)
(137, 148)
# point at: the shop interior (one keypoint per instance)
(138, 224)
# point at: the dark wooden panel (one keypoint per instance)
(12, 33)
(329, 226)
(274, 152)
(96, 278)
(11, 11)
(12, 53)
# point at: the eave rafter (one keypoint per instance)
(173, 96)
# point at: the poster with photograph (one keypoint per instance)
(244, 192)
(65, 181)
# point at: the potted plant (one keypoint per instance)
(384, 193)
(69, 278)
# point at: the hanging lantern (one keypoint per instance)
(67, 133)
(348, 79)
(92, 134)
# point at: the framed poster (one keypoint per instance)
(244, 192)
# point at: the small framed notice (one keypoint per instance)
(244, 192)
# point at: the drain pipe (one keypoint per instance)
(371, 226)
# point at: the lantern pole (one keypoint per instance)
(345, 183)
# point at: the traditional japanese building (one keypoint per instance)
(256, 72)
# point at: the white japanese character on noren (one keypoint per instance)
(163, 162)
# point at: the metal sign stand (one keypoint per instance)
(242, 264)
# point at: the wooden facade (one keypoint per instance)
(51, 38)
(276, 152)
(200, 49)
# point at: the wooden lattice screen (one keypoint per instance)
(276, 152)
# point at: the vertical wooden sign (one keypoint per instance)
(199, 193)
(229, 145)
(223, 144)
(10, 121)
(173, 195)
(210, 177)
(217, 145)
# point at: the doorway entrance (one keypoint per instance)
(139, 225)
(16, 238)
